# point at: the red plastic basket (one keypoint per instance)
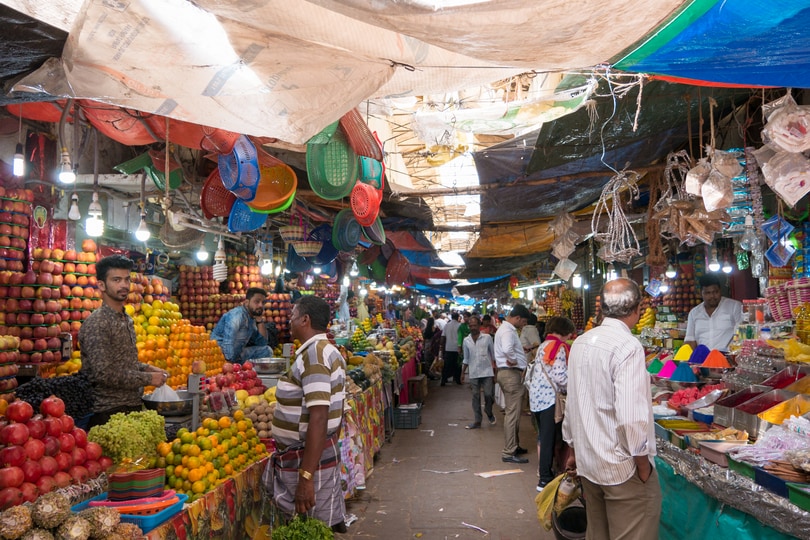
(215, 200)
(359, 136)
(398, 269)
(218, 140)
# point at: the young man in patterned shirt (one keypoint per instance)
(109, 354)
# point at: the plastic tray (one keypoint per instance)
(741, 468)
(770, 482)
(146, 523)
(799, 494)
(715, 451)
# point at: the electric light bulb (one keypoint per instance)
(74, 213)
(308, 280)
(66, 174)
(664, 287)
(577, 281)
(202, 254)
(354, 272)
(611, 273)
(714, 264)
(278, 270)
(671, 272)
(19, 161)
(346, 281)
(220, 256)
(267, 267)
(316, 270)
(727, 268)
(142, 233)
(363, 291)
(94, 226)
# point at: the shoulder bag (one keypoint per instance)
(559, 397)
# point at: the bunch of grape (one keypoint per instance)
(73, 390)
(130, 436)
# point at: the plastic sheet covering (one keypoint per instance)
(285, 69)
(750, 42)
(684, 476)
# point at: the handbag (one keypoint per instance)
(559, 397)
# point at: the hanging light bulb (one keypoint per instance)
(664, 287)
(308, 280)
(66, 174)
(94, 226)
(142, 233)
(267, 267)
(220, 270)
(346, 281)
(750, 239)
(577, 281)
(671, 272)
(363, 291)
(278, 270)
(316, 270)
(727, 268)
(202, 254)
(18, 168)
(611, 272)
(74, 213)
(354, 272)
(714, 264)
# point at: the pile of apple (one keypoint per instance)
(142, 290)
(236, 377)
(328, 291)
(197, 288)
(277, 309)
(682, 295)
(15, 212)
(8, 365)
(243, 273)
(43, 452)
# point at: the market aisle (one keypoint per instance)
(403, 500)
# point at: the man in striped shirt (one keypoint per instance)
(609, 422)
(307, 421)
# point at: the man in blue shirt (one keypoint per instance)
(240, 333)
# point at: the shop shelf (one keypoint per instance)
(799, 494)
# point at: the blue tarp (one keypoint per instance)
(742, 42)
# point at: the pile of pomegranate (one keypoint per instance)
(43, 452)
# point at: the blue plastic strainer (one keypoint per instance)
(239, 169)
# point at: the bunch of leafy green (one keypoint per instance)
(302, 528)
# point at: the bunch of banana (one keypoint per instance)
(646, 320)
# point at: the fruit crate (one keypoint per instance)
(147, 522)
(408, 416)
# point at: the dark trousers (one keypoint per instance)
(452, 367)
(546, 438)
(100, 418)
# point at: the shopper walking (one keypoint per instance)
(479, 362)
(511, 362)
(549, 375)
(451, 368)
(609, 422)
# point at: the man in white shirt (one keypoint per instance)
(609, 422)
(713, 322)
(449, 351)
(479, 362)
(511, 362)
(441, 321)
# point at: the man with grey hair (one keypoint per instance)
(609, 422)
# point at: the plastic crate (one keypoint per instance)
(740, 467)
(770, 482)
(417, 388)
(799, 494)
(407, 417)
(146, 523)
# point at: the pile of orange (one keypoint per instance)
(197, 461)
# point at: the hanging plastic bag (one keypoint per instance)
(788, 175)
(717, 191)
(789, 127)
(727, 163)
(696, 176)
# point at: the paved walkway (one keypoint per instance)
(404, 499)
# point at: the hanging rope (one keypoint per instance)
(655, 256)
(620, 242)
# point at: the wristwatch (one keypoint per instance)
(306, 475)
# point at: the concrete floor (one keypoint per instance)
(403, 499)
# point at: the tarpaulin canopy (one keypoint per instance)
(738, 42)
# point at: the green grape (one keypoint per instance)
(130, 436)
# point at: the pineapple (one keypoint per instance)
(15, 522)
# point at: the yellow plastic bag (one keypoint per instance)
(545, 501)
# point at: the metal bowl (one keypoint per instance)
(171, 408)
(269, 366)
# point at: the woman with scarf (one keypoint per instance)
(549, 376)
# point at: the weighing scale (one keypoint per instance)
(270, 380)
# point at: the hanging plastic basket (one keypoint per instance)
(286, 206)
(218, 140)
(215, 200)
(243, 219)
(239, 169)
(293, 233)
(157, 171)
(345, 231)
(375, 232)
(359, 135)
(276, 182)
(307, 248)
(365, 204)
(328, 252)
(332, 167)
(398, 269)
(296, 263)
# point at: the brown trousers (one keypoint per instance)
(628, 511)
